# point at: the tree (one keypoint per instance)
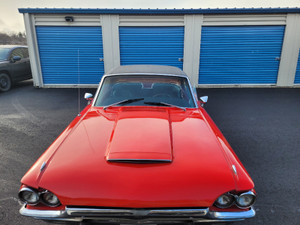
(13, 38)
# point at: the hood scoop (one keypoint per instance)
(140, 161)
(141, 140)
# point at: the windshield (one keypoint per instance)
(4, 53)
(149, 88)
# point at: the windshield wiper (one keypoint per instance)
(165, 104)
(124, 102)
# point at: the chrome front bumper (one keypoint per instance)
(139, 216)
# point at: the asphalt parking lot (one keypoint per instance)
(262, 125)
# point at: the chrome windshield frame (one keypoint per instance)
(152, 74)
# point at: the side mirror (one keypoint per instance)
(203, 100)
(88, 97)
(16, 58)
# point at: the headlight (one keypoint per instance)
(29, 196)
(224, 201)
(245, 200)
(50, 199)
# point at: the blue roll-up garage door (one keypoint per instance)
(297, 77)
(240, 54)
(70, 55)
(152, 45)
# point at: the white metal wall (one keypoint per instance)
(193, 26)
(290, 51)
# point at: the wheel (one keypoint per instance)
(5, 82)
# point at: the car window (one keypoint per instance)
(25, 52)
(4, 53)
(167, 89)
(17, 52)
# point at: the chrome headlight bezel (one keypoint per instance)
(32, 191)
(43, 196)
(248, 193)
(40, 197)
(236, 200)
(229, 204)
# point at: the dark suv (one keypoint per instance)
(14, 65)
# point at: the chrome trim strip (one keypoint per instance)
(155, 74)
(234, 169)
(40, 214)
(136, 212)
(117, 215)
(97, 212)
(179, 212)
(232, 215)
(43, 166)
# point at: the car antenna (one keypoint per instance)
(78, 87)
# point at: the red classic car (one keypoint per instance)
(144, 150)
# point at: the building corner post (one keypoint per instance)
(192, 40)
(111, 46)
(33, 50)
(290, 51)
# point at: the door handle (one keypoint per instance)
(101, 59)
(180, 59)
(277, 58)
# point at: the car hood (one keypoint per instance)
(141, 139)
(139, 157)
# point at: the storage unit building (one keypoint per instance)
(70, 55)
(215, 47)
(297, 77)
(240, 54)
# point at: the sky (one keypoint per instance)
(12, 21)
